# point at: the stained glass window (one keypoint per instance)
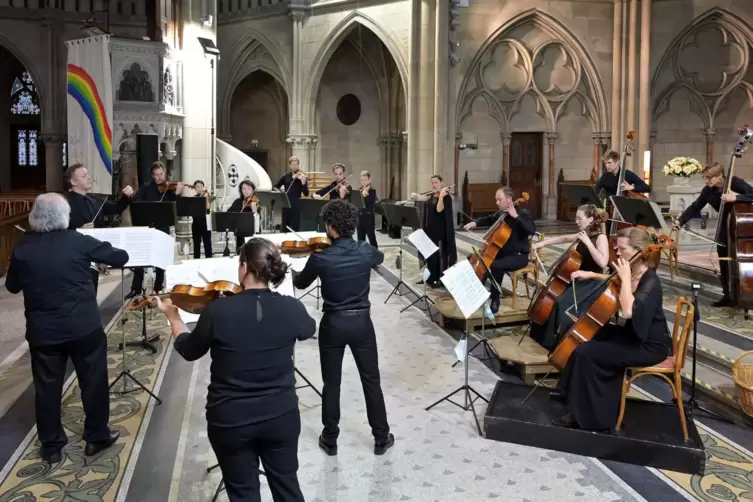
(22, 148)
(24, 95)
(65, 154)
(28, 148)
(33, 158)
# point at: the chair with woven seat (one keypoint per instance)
(670, 370)
(672, 251)
(533, 268)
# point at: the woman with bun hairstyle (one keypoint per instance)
(252, 408)
(593, 246)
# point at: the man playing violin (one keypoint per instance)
(245, 203)
(154, 191)
(514, 254)
(713, 176)
(608, 180)
(591, 382)
(339, 188)
(294, 183)
(366, 220)
(87, 211)
(440, 228)
(199, 231)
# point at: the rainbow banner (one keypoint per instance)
(90, 109)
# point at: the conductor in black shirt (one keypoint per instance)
(514, 254)
(295, 184)
(51, 266)
(608, 180)
(344, 270)
(252, 408)
(366, 219)
(87, 211)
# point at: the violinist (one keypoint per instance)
(252, 409)
(294, 183)
(593, 247)
(366, 220)
(151, 192)
(514, 254)
(591, 382)
(339, 188)
(199, 231)
(440, 228)
(608, 180)
(713, 176)
(246, 202)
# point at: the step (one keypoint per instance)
(716, 392)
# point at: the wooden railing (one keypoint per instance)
(14, 213)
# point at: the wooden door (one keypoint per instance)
(526, 151)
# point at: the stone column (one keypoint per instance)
(644, 112)
(632, 48)
(616, 68)
(441, 96)
(505, 137)
(412, 92)
(597, 156)
(53, 159)
(651, 143)
(709, 133)
(551, 189)
(425, 167)
(297, 125)
(129, 172)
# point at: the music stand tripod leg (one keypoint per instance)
(400, 282)
(308, 383)
(221, 486)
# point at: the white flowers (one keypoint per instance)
(683, 167)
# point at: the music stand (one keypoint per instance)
(310, 211)
(195, 208)
(273, 198)
(400, 216)
(583, 194)
(235, 222)
(639, 212)
(356, 199)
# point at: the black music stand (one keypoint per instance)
(195, 208)
(233, 222)
(310, 214)
(273, 199)
(639, 212)
(582, 194)
(398, 215)
(356, 198)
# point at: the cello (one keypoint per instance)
(739, 228)
(559, 279)
(585, 328)
(494, 240)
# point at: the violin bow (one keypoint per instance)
(296, 234)
(99, 211)
(337, 185)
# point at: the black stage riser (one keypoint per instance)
(651, 434)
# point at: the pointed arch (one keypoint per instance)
(558, 31)
(39, 84)
(328, 48)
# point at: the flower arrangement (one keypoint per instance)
(683, 167)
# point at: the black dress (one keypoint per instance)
(240, 237)
(586, 291)
(440, 229)
(592, 379)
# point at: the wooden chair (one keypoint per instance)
(672, 253)
(671, 368)
(533, 268)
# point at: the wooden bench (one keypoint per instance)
(479, 198)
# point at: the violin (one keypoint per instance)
(192, 299)
(494, 240)
(585, 328)
(170, 186)
(250, 200)
(365, 189)
(312, 245)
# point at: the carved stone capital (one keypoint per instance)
(305, 141)
(390, 140)
(505, 137)
(458, 137)
(405, 136)
(709, 133)
(551, 137)
(298, 13)
(52, 140)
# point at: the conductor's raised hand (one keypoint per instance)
(128, 191)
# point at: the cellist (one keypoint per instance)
(608, 180)
(514, 254)
(713, 176)
(591, 382)
(593, 247)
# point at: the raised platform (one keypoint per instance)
(451, 314)
(527, 357)
(651, 433)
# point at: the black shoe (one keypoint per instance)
(94, 448)
(494, 307)
(328, 449)
(52, 457)
(558, 396)
(723, 302)
(381, 448)
(563, 422)
(132, 294)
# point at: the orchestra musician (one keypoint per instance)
(294, 183)
(245, 203)
(151, 192)
(344, 269)
(339, 188)
(591, 382)
(252, 408)
(366, 218)
(50, 265)
(514, 254)
(713, 176)
(593, 247)
(608, 180)
(199, 231)
(87, 211)
(440, 228)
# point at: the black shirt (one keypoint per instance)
(85, 207)
(150, 193)
(251, 337)
(436, 222)
(588, 263)
(238, 207)
(713, 197)
(369, 201)
(608, 182)
(334, 193)
(523, 227)
(648, 323)
(294, 192)
(344, 269)
(53, 269)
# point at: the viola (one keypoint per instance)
(192, 299)
(494, 240)
(250, 200)
(585, 328)
(559, 279)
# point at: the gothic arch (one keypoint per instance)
(588, 89)
(734, 31)
(39, 83)
(328, 48)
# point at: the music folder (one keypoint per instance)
(580, 194)
(273, 198)
(234, 222)
(640, 212)
(154, 214)
(146, 247)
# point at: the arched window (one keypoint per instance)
(65, 155)
(28, 148)
(24, 96)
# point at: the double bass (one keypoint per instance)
(559, 279)
(627, 150)
(494, 240)
(585, 328)
(739, 233)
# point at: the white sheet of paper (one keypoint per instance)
(422, 242)
(146, 247)
(463, 284)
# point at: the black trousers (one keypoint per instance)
(48, 363)
(200, 235)
(291, 217)
(352, 329)
(367, 228)
(95, 279)
(503, 264)
(138, 279)
(239, 449)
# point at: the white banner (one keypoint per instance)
(90, 109)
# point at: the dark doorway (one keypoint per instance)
(526, 151)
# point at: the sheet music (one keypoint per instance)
(422, 242)
(146, 247)
(463, 284)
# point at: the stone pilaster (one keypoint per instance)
(303, 146)
(297, 125)
(53, 151)
(551, 190)
(505, 137)
(709, 133)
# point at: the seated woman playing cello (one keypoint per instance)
(591, 382)
(593, 247)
